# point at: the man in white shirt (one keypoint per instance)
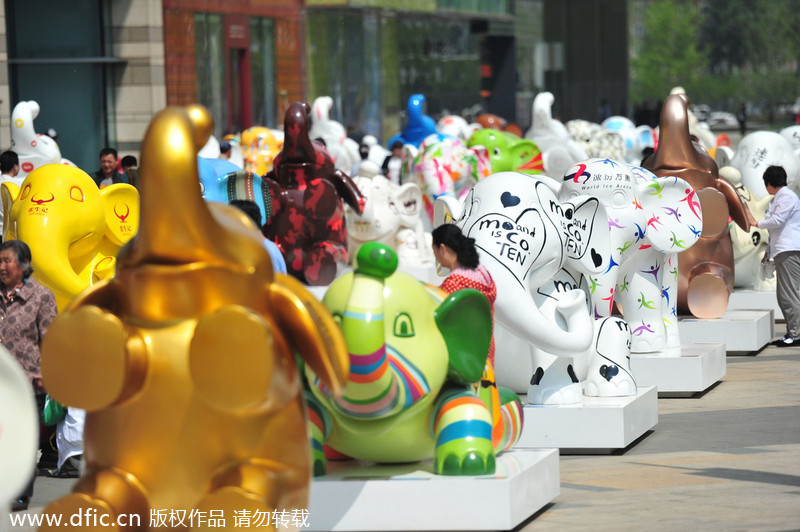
(9, 167)
(782, 220)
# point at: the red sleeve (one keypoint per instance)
(452, 283)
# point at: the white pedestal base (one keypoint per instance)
(742, 299)
(410, 497)
(697, 368)
(597, 425)
(741, 330)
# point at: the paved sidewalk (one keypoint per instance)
(728, 459)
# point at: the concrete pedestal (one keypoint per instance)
(695, 369)
(598, 425)
(740, 330)
(354, 496)
(755, 300)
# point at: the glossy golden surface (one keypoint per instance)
(705, 270)
(184, 360)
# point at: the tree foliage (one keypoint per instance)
(669, 54)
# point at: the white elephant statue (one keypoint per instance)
(536, 249)
(445, 166)
(392, 216)
(635, 139)
(342, 149)
(650, 220)
(792, 134)
(456, 126)
(376, 153)
(34, 150)
(595, 140)
(748, 247)
(761, 149)
(19, 432)
(559, 151)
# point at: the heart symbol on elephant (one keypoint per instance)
(509, 200)
(608, 372)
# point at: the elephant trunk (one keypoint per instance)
(169, 235)
(57, 272)
(373, 389)
(520, 314)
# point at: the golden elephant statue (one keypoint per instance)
(184, 360)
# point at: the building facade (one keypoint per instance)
(100, 69)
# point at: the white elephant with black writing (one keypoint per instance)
(539, 251)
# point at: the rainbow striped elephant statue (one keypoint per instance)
(419, 384)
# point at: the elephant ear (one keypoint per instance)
(465, 321)
(674, 218)
(408, 200)
(447, 209)
(526, 155)
(587, 240)
(311, 331)
(9, 192)
(121, 208)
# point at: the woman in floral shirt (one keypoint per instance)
(26, 311)
(457, 252)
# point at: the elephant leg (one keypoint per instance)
(710, 285)
(669, 303)
(319, 427)
(321, 262)
(462, 428)
(643, 311)
(259, 487)
(98, 499)
(554, 381)
(511, 412)
(609, 373)
(505, 407)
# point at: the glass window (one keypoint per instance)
(48, 64)
(210, 60)
(262, 71)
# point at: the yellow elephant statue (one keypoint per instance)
(260, 146)
(73, 228)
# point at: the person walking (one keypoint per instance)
(782, 220)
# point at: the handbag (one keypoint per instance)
(53, 411)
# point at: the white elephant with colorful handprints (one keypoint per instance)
(536, 249)
(445, 166)
(650, 220)
(392, 216)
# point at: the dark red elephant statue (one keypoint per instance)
(307, 221)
